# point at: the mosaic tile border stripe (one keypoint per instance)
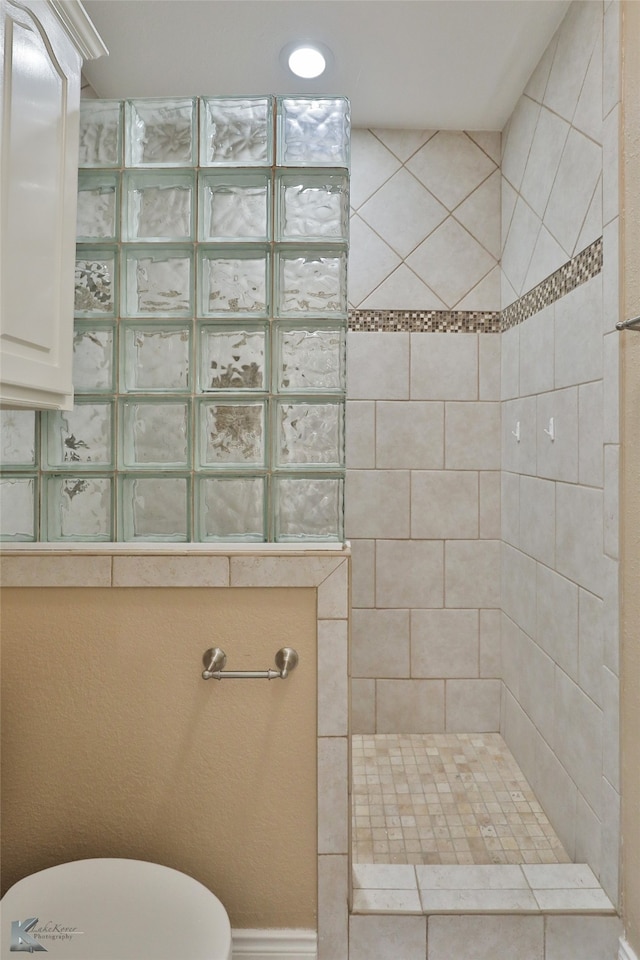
(584, 266)
(425, 321)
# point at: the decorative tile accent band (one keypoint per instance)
(425, 321)
(586, 265)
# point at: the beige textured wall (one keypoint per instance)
(630, 483)
(114, 746)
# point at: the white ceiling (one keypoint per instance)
(414, 64)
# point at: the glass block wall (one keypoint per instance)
(210, 332)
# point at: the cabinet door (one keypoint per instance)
(40, 110)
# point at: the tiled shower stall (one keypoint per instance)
(482, 434)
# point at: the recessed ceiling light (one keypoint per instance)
(306, 60)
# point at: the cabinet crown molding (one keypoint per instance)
(78, 25)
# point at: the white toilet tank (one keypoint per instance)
(113, 909)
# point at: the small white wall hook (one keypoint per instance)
(516, 433)
(551, 430)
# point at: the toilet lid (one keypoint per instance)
(114, 909)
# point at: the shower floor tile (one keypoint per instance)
(445, 798)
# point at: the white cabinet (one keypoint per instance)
(44, 43)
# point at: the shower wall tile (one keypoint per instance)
(360, 434)
(537, 519)
(410, 706)
(412, 209)
(537, 353)
(486, 937)
(444, 504)
(444, 643)
(490, 509)
(557, 793)
(363, 705)
(333, 812)
(471, 578)
(387, 938)
(378, 366)
(472, 702)
(590, 434)
(557, 457)
(557, 618)
(409, 435)
(490, 660)
(363, 573)
(374, 634)
(579, 531)
(578, 735)
(472, 436)
(489, 360)
(444, 367)
(409, 573)
(377, 504)
(590, 644)
(333, 917)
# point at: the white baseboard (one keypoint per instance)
(625, 952)
(274, 944)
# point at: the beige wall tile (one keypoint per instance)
(444, 504)
(579, 554)
(490, 657)
(360, 434)
(558, 459)
(511, 643)
(410, 706)
(333, 812)
(170, 571)
(403, 212)
(444, 367)
(490, 521)
(590, 645)
(578, 737)
(380, 643)
(78, 571)
(609, 875)
(471, 573)
(410, 435)
(333, 682)
(611, 165)
(612, 500)
(472, 436)
(538, 519)
(611, 59)
(281, 571)
(409, 573)
(333, 594)
(444, 643)
(363, 564)
(518, 585)
(377, 503)
(590, 432)
(387, 938)
(589, 938)
(371, 261)
(363, 706)
(510, 508)
(378, 366)
(472, 706)
(489, 365)
(536, 699)
(333, 914)
(510, 363)
(520, 735)
(486, 938)
(611, 728)
(578, 335)
(557, 618)
(371, 164)
(537, 353)
(519, 456)
(588, 836)
(557, 793)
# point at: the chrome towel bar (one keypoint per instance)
(215, 659)
(632, 324)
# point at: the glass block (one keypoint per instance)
(311, 282)
(17, 438)
(157, 282)
(231, 433)
(78, 508)
(231, 508)
(97, 213)
(95, 282)
(158, 205)
(17, 508)
(233, 281)
(236, 131)
(309, 433)
(100, 138)
(153, 434)
(232, 358)
(154, 357)
(310, 357)
(82, 436)
(93, 365)
(313, 131)
(313, 206)
(308, 508)
(160, 132)
(234, 206)
(153, 508)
